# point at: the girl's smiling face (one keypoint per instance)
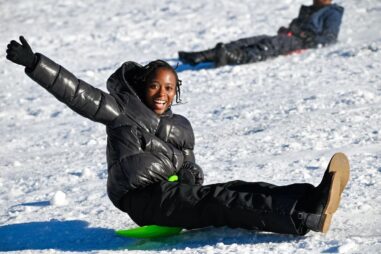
(160, 90)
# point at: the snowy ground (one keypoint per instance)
(277, 121)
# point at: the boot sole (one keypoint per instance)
(339, 168)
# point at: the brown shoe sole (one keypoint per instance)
(339, 167)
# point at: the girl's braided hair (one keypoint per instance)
(147, 72)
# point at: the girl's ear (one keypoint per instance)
(178, 91)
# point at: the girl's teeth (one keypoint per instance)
(160, 101)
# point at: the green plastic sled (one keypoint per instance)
(151, 231)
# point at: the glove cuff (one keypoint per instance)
(32, 64)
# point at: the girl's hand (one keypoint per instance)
(21, 54)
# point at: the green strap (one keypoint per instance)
(173, 178)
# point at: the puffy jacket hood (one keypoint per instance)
(317, 15)
(122, 79)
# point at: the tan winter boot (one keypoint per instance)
(328, 194)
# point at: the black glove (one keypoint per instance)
(308, 39)
(191, 173)
(21, 53)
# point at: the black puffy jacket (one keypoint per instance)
(142, 147)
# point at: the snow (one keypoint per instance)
(277, 121)
(59, 199)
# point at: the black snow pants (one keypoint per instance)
(237, 204)
(259, 48)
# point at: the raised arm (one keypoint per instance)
(81, 97)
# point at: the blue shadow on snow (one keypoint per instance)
(74, 235)
(187, 67)
(180, 66)
(39, 203)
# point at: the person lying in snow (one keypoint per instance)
(317, 25)
(147, 143)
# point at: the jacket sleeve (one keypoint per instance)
(189, 155)
(183, 161)
(81, 97)
(331, 28)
